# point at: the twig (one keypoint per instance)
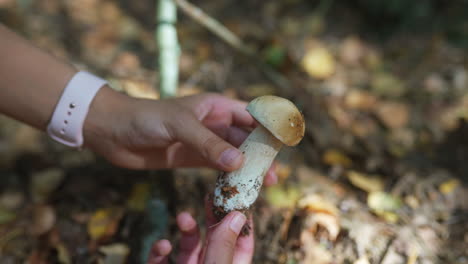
(214, 26)
(230, 38)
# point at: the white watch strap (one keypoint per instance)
(66, 125)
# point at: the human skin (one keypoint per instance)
(197, 131)
(222, 243)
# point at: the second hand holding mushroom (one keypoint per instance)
(280, 122)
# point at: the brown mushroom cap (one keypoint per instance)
(280, 116)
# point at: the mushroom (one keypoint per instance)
(280, 122)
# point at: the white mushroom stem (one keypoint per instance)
(239, 189)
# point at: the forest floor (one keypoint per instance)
(380, 177)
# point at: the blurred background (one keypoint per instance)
(380, 177)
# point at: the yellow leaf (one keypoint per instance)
(115, 253)
(317, 204)
(368, 183)
(335, 157)
(319, 63)
(138, 197)
(384, 205)
(104, 222)
(449, 186)
(281, 197)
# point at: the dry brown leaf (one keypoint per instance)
(327, 221)
(43, 219)
(125, 65)
(283, 171)
(352, 50)
(139, 89)
(11, 200)
(361, 100)
(393, 114)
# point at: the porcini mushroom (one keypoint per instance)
(280, 122)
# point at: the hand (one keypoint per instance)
(195, 131)
(222, 244)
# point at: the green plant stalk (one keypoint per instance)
(169, 50)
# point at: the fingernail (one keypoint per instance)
(237, 222)
(230, 157)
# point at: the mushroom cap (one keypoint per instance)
(280, 116)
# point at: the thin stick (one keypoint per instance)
(214, 26)
(230, 38)
(169, 50)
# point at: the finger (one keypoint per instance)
(234, 135)
(245, 246)
(190, 244)
(217, 151)
(216, 104)
(160, 252)
(271, 178)
(221, 244)
(240, 116)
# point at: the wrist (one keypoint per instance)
(105, 110)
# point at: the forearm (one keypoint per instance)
(31, 81)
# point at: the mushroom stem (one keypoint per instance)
(239, 189)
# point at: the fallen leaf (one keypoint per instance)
(368, 183)
(283, 171)
(104, 223)
(313, 251)
(315, 203)
(318, 62)
(335, 157)
(139, 89)
(435, 84)
(282, 197)
(188, 90)
(393, 114)
(386, 84)
(125, 65)
(449, 186)
(412, 201)
(361, 100)
(11, 200)
(327, 221)
(115, 253)
(362, 260)
(139, 196)
(384, 205)
(62, 254)
(43, 219)
(352, 50)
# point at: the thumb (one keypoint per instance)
(190, 131)
(221, 243)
